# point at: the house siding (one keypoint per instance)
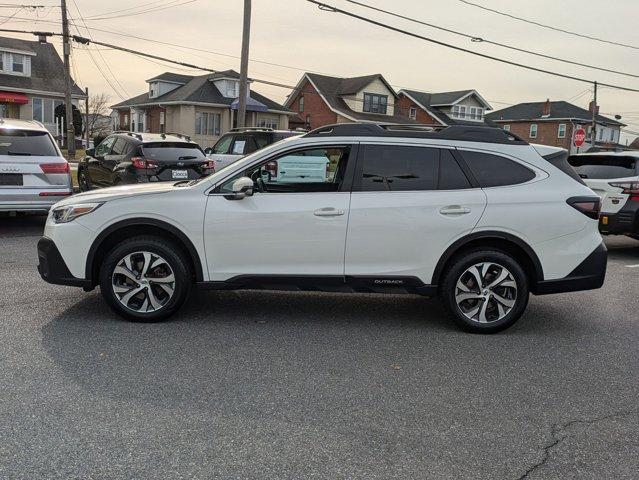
(356, 102)
(403, 106)
(315, 108)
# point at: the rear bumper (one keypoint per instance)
(52, 268)
(588, 275)
(625, 221)
(31, 200)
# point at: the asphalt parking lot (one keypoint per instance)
(268, 385)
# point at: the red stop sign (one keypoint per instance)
(580, 137)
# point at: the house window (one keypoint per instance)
(412, 113)
(207, 123)
(561, 130)
(533, 130)
(507, 128)
(38, 110)
(600, 134)
(612, 135)
(301, 104)
(459, 111)
(161, 122)
(17, 63)
(374, 103)
(267, 123)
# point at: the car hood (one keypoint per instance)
(114, 193)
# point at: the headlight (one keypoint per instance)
(69, 212)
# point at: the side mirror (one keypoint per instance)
(242, 187)
(208, 151)
(90, 152)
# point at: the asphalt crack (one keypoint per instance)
(558, 434)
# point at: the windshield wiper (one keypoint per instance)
(23, 154)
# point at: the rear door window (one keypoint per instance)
(604, 166)
(239, 145)
(405, 168)
(495, 171)
(118, 146)
(26, 143)
(172, 151)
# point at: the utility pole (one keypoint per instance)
(86, 120)
(593, 136)
(244, 92)
(66, 50)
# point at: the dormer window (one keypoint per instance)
(374, 103)
(15, 64)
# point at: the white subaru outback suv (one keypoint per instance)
(473, 214)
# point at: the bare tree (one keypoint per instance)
(99, 121)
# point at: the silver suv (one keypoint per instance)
(33, 173)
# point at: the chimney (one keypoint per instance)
(546, 110)
(594, 107)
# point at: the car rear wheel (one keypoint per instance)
(486, 291)
(145, 279)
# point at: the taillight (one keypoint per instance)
(589, 206)
(210, 165)
(55, 167)
(143, 163)
(271, 167)
(628, 188)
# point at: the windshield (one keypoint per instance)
(604, 166)
(26, 143)
(172, 151)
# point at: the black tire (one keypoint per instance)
(457, 271)
(174, 257)
(84, 184)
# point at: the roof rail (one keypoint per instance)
(129, 133)
(251, 129)
(467, 133)
(179, 135)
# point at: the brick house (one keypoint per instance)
(554, 124)
(32, 82)
(319, 100)
(444, 108)
(203, 107)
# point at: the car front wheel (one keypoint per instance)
(145, 279)
(486, 291)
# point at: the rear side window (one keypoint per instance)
(26, 143)
(494, 171)
(170, 151)
(398, 168)
(604, 166)
(118, 146)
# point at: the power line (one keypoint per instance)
(478, 39)
(550, 27)
(141, 12)
(330, 8)
(126, 9)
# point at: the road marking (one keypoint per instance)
(633, 266)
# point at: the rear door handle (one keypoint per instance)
(328, 212)
(454, 210)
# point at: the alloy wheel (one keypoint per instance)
(486, 292)
(143, 281)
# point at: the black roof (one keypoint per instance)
(197, 89)
(475, 133)
(433, 102)
(558, 110)
(47, 69)
(172, 77)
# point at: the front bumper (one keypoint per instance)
(588, 275)
(52, 268)
(624, 222)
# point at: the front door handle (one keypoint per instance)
(328, 212)
(454, 210)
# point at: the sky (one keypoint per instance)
(295, 33)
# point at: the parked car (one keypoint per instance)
(128, 157)
(239, 142)
(614, 176)
(33, 172)
(472, 214)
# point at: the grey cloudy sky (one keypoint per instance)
(296, 33)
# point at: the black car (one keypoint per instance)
(129, 157)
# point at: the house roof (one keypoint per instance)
(172, 77)
(558, 110)
(198, 89)
(332, 89)
(431, 102)
(47, 69)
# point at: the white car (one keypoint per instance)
(614, 176)
(33, 173)
(473, 214)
